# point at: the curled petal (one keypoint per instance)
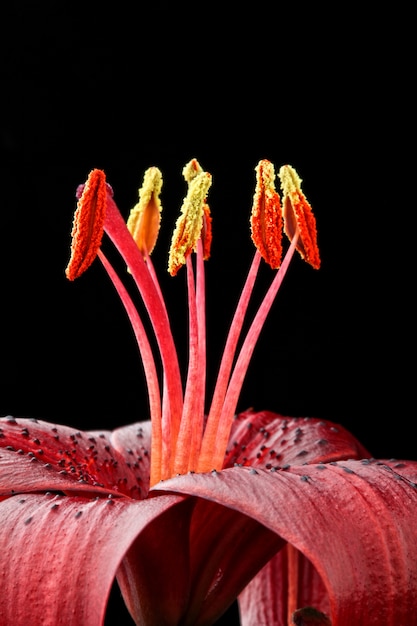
(60, 556)
(353, 520)
(145, 217)
(299, 215)
(87, 231)
(266, 217)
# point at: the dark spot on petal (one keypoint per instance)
(253, 471)
(28, 520)
(78, 514)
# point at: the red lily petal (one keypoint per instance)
(266, 439)
(60, 556)
(219, 536)
(353, 520)
(38, 456)
(273, 582)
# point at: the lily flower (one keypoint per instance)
(198, 505)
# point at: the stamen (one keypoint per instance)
(266, 217)
(191, 430)
(87, 231)
(145, 217)
(190, 223)
(190, 171)
(179, 441)
(298, 213)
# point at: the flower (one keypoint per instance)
(194, 508)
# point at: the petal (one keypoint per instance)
(268, 440)
(353, 520)
(219, 536)
(154, 576)
(60, 555)
(38, 456)
(272, 581)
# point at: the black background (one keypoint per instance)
(128, 87)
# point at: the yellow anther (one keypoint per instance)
(190, 222)
(145, 217)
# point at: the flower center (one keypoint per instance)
(184, 438)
